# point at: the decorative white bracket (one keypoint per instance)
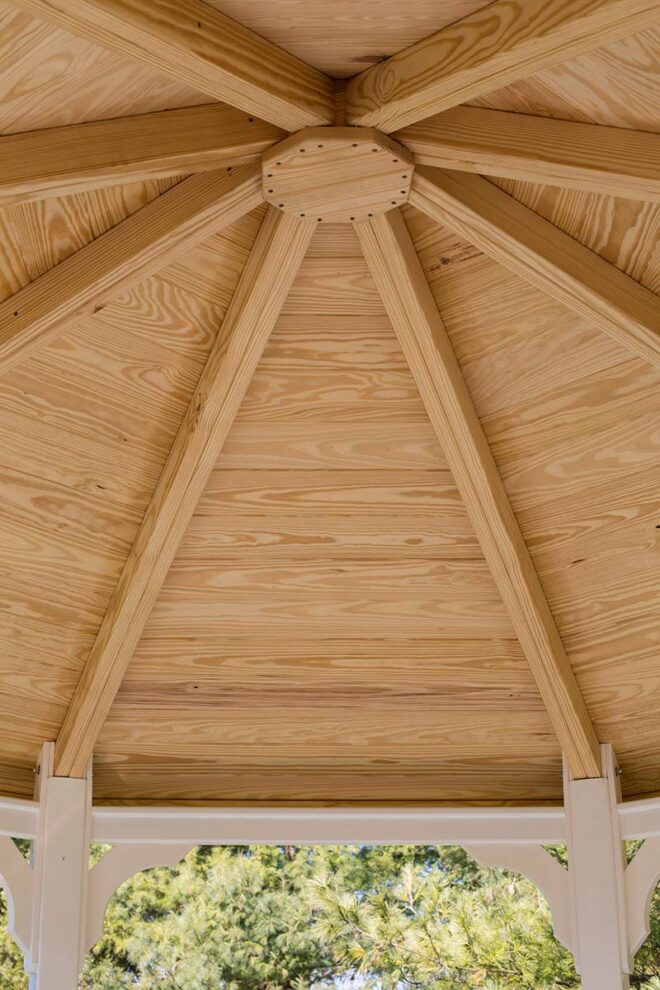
(591, 915)
(118, 864)
(600, 907)
(16, 880)
(535, 863)
(641, 878)
(56, 903)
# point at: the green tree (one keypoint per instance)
(443, 927)
(12, 972)
(227, 918)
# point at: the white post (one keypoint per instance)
(596, 867)
(61, 864)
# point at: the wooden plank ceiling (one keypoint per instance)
(328, 551)
(345, 36)
(329, 629)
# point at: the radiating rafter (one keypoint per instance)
(608, 160)
(193, 42)
(400, 279)
(264, 285)
(542, 254)
(137, 247)
(58, 161)
(498, 44)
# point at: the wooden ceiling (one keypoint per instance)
(329, 629)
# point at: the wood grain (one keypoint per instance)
(337, 174)
(62, 554)
(342, 37)
(613, 161)
(337, 679)
(330, 570)
(340, 286)
(572, 420)
(195, 44)
(63, 160)
(342, 542)
(50, 78)
(272, 265)
(401, 281)
(489, 48)
(197, 270)
(98, 410)
(124, 779)
(449, 671)
(544, 255)
(313, 731)
(501, 324)
(86, 424)
(360, 598)
(615, 86)
(624, 232)
(143, 243)
(37, 236)
(283, 536)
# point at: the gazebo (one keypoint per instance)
(330, 444)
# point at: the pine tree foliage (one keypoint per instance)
(296, 918)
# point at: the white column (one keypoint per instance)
(596, 868)
(61, 865)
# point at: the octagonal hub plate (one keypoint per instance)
(337, 174)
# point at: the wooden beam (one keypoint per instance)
(504, 41)
(193, 42)
(143, 243)
(394, 264)
(610, 160)
(542, 254)
(62, 160)
(278, 251)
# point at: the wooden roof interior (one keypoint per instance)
(329, 630)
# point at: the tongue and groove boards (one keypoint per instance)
(329, 629)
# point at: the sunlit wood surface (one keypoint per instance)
(329, 629)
